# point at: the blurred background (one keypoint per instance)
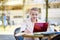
(13, 12)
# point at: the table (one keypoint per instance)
(33, 36)
(41, 35)
(38, 36)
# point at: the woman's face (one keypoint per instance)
(34, 14)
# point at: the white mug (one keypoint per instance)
(51, 28)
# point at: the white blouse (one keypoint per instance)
(27, 24)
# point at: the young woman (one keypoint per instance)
(28, 24)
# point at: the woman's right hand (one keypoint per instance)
(27, 31)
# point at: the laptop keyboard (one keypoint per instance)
(44, 32)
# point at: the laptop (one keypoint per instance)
(40, 27)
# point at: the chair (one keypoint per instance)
(17, 37)
(56, 37)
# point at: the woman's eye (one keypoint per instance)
(32, 14)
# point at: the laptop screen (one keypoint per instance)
(40, 27)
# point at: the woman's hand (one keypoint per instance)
(27, 31)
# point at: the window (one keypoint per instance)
(53, 5)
